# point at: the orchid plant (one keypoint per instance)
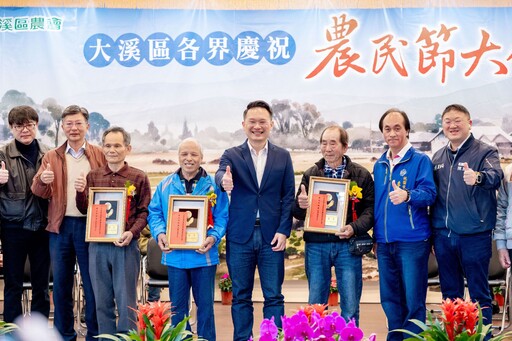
(312, 322)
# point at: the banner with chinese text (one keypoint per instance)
(163, 69)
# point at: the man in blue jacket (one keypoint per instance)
(467, 173)
(404, 188)
(259, 176)
(190, 268)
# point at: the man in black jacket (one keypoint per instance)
(23, 215)
(325, 250)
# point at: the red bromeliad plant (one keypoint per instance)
(154, 324)
(461, 320)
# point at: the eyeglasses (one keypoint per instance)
(78, 124)
(29, 126)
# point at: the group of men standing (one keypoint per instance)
(410, 198)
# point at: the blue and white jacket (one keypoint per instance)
(408, 221)
(158, 210)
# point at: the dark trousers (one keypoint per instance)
(17, 244)
(66, 248)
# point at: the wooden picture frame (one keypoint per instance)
(106, 214)
(328, 204)
(187, 221)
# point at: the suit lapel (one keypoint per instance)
(246, 154)
(271, 156)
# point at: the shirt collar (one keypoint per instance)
(400, 154)
(68, 148)
(122, 172)
(199, 175)
(337, 172)
(263, 151)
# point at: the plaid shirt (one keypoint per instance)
(335, 173)
(105, 177)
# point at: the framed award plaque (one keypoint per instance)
(106, 214)
(187, 221)
(328, 203)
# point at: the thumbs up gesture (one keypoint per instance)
(227, 180)
(80, 182)
(398, 195)
(47, 175)
(4, 174)
(469, 175)
(302, 198)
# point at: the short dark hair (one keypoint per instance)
(258, 104)
(75, 109)
(407, 123)
(126, 136)
(343, 134)
(456, 107)
(22, 114)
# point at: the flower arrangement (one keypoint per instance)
(355, 194)
(212, 197)
(130, 193)
(312, 322)
(333, 287)
(130, 188)
(460, 320)
(225, 283)
(212, 200)
(153, 324)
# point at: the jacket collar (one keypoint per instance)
(346, 174)
(201, 185)
(14, 152)
(61, 150)
(465, 146)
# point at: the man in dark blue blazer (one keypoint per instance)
(259, 176)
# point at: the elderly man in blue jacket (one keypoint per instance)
(190, 268)
(467, 173)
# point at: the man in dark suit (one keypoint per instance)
(259, 176)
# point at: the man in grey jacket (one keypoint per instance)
(23, 215)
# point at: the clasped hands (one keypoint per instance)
(208, 243)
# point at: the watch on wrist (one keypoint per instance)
(408, 196)
(478, 179)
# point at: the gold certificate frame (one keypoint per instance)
(328, 203)
(106, 214)
(187, 221)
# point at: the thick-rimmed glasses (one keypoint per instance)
(29, 126)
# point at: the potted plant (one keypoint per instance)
(226, 289)
(312, 322)
(498, 296)
(333, 293)
(460, 320)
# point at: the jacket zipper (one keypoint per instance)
(410, 216)
(448, 191)
(387, 201)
